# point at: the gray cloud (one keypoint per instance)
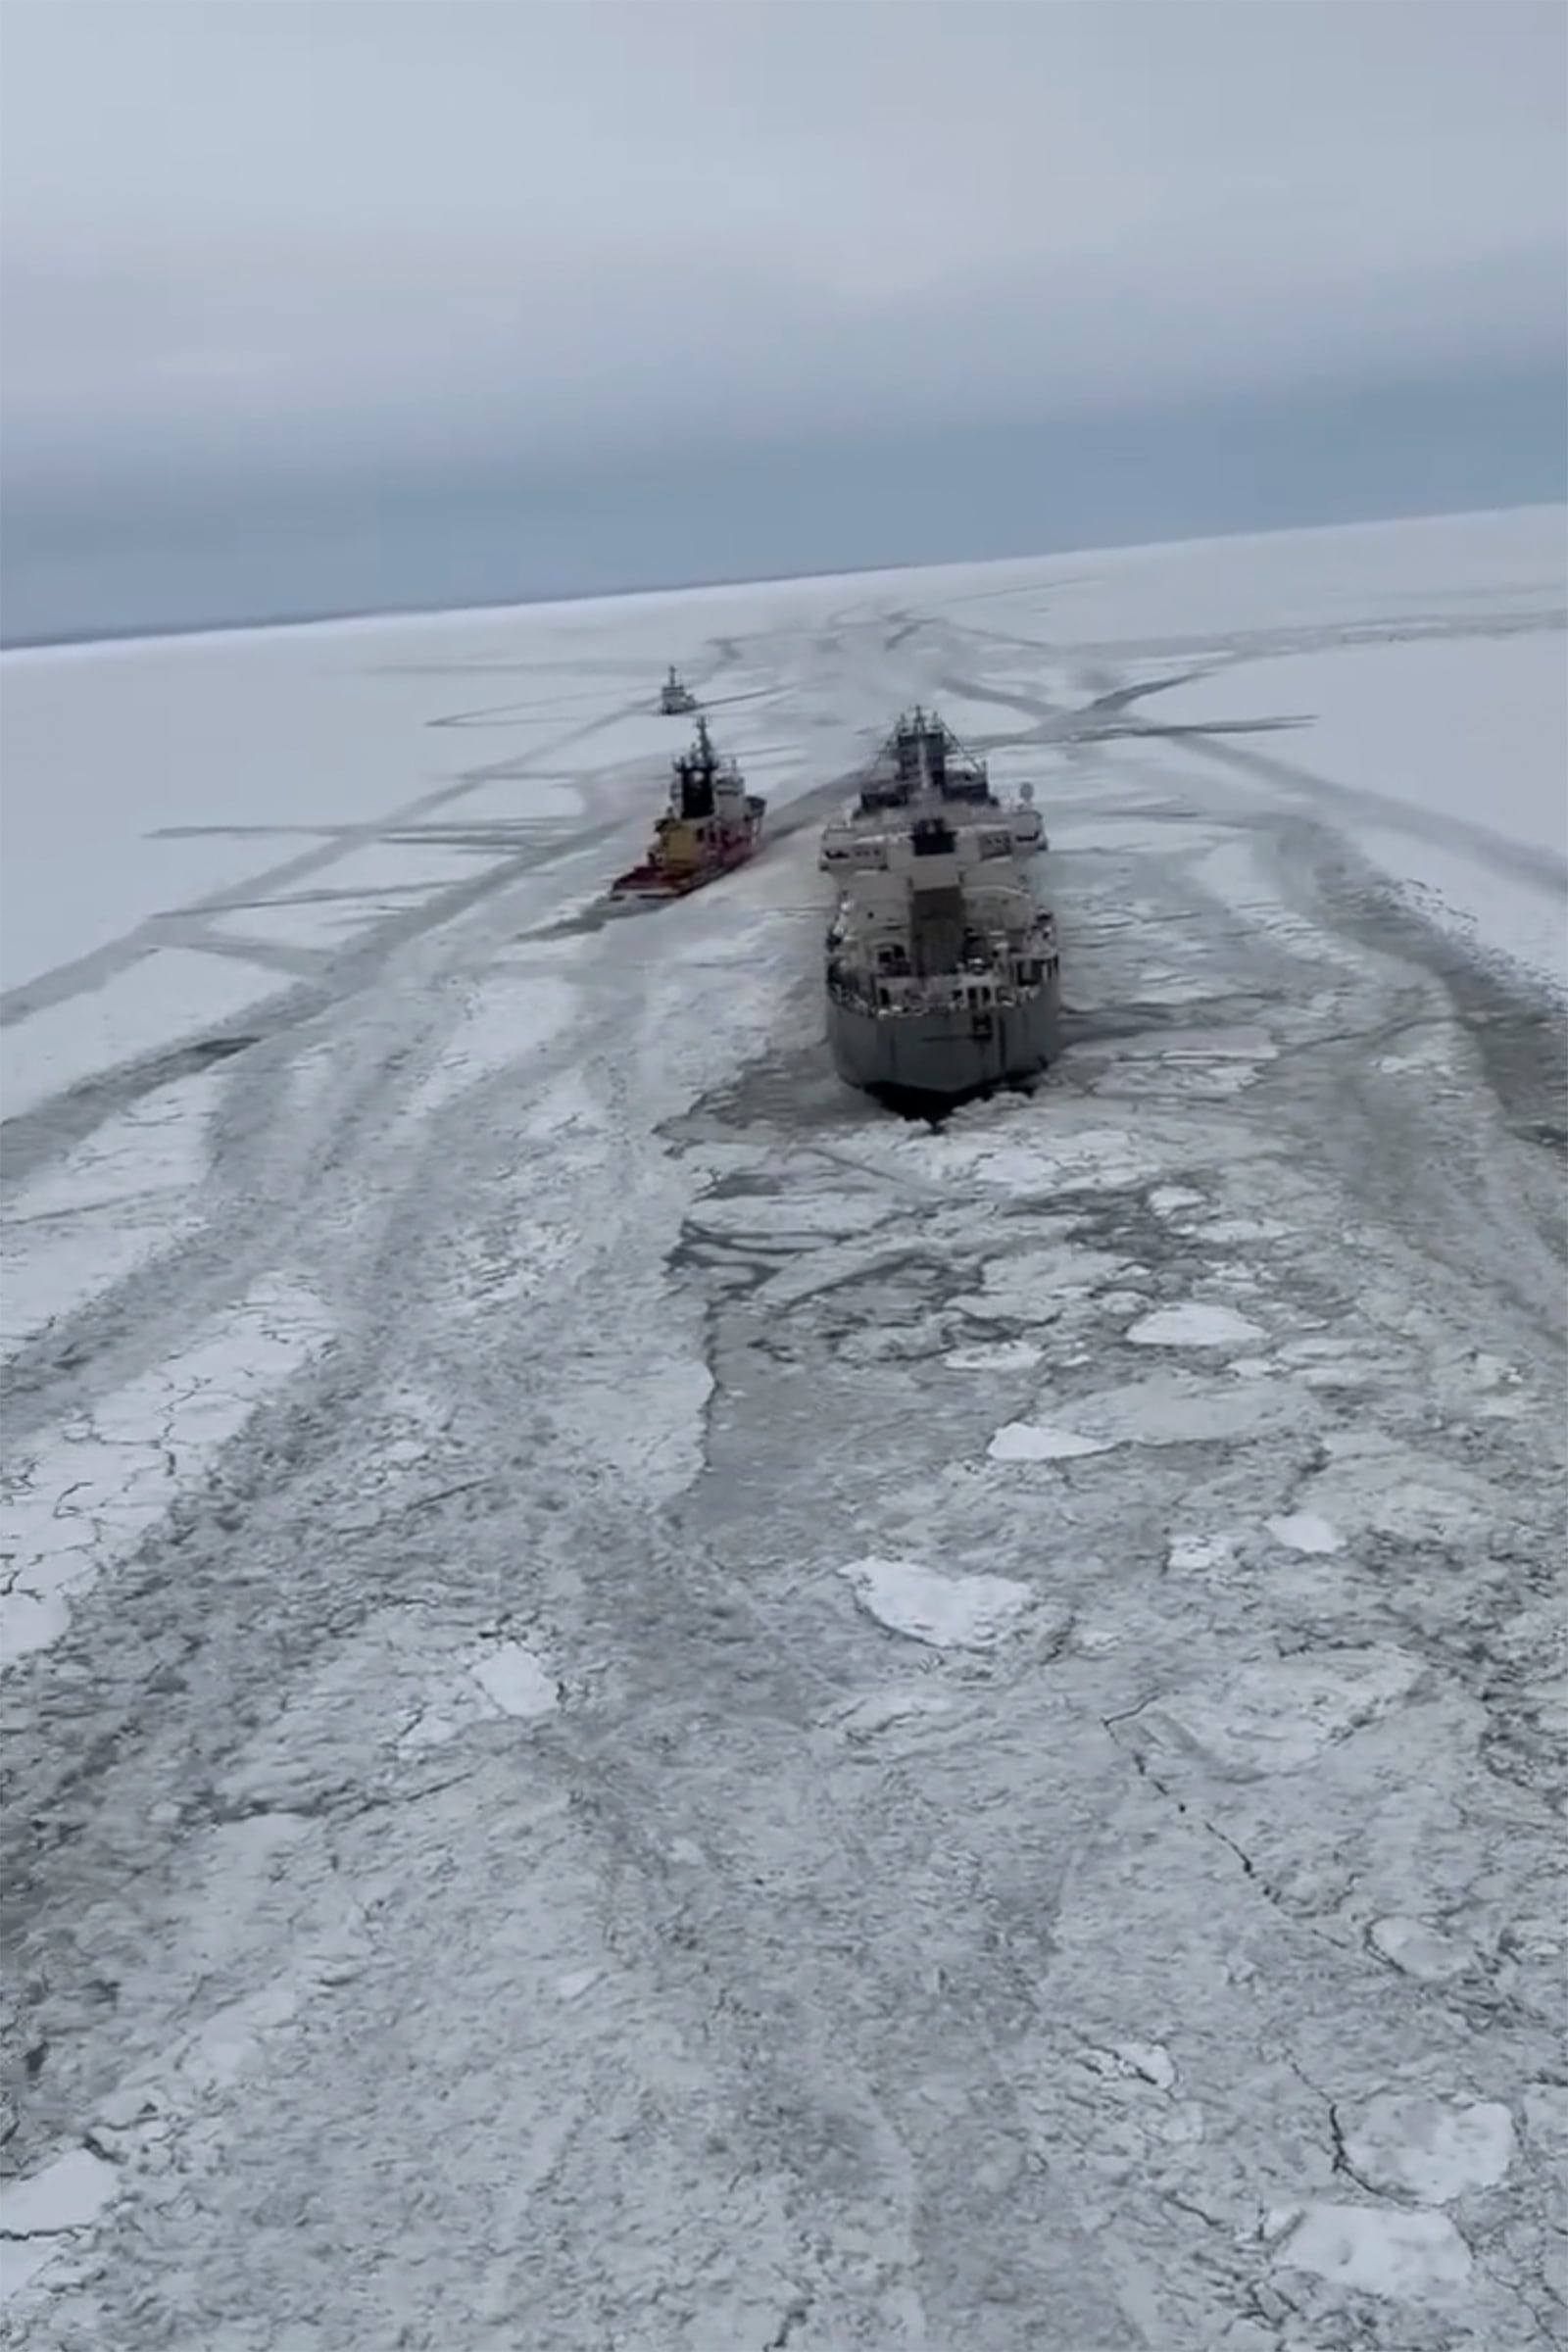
(326, 231)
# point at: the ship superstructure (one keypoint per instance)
(943, 968)
(710, 825)
(675, 697)
(921, 762)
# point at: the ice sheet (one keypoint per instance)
(166, 997)
(1470, 737)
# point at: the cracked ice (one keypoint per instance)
(648, 1707)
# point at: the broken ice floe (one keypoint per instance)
(799, 1216)
(1037, 1285)
(499, 1679)
(946, 1612)
(1107, 1155)
(1188, 1408)
(1429, 2149)
(1138, 2061)
(1279, 1713)
(1419, 1951)
(1432, 1057)
(576, 1983)
(1121, 1303)
(514, 1682)
(1191, 1555)
(996, 1355)
(1546, 2121)
(39, 2217)
(1303, 1531)
(1192, 1324)
(1371, 1481)
(1341, 1363)
(1036, 1441)
(881, 1710)
(1242, 1229)
(1169, 1199)
(1377, 2250)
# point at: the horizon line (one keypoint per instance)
(45, 642)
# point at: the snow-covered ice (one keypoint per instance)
(949, 1612)
(1465, 741)
(163, 998)
(1429, 2150)
(515, 1682)
(508, 1017)
(455, 1345)
(1279, 1714)
(1380, 2250)
(40, 2215)
(1419, 1950)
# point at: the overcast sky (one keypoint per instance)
(264, 240)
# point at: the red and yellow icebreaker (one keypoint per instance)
(713, 825)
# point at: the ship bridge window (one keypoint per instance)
(932, 837)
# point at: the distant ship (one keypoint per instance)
(943, 969)
(675, 697)
(711, 825)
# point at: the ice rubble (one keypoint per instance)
(92, 1491)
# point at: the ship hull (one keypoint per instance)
(651, 888)
(652, 884)
(943, 1054)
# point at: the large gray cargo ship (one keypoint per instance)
(943, 968)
